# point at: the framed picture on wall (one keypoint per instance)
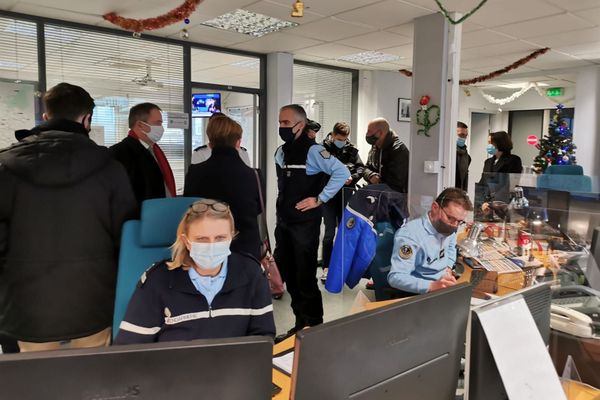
(404, 110)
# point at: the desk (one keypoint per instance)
(279, 378)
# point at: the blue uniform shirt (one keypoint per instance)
(421, 255)
(320, 160)
(209, 286)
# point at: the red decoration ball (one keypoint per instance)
(424, 100)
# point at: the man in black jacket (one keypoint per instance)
(64, 200)
(146, 164)
(388, 158)
(463, 159)
(340, 147)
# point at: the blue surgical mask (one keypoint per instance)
(461, 141)
(339, 143)
(491, 149)
(210, 255)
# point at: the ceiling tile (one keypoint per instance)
(282, 12)
(330, 50)
(327, 7)
(546, 25)
(404, 29)
(330, 29)
(405, 52)
(76, 15)
(376, 40)
(592, 15)
(383, 15)
(497, 13)
(574, 37)
(482, 38)
(308, 58)
(216, 37)
(515, 48)
(276, 42)
(554, 60)
(574, 5)
(580, 49)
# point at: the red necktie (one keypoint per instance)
(163, 163)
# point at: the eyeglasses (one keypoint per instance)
(217, 206)
(453, 220)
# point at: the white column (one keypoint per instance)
(436, 61)
(279, 93)
(586, 134)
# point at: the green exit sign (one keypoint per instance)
(555, 91)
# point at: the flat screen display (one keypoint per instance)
(205, 104)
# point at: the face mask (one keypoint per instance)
(461, 141)
(339, 143)
(491, 149)
(210, 255)
(156, 132)
(443, 228)
(372, 139)
(287, 134)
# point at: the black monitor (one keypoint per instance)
(237, 368)
(553, 205)
(410, 350)
(482, 379)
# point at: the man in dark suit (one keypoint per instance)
(463, 159)
(148, 169)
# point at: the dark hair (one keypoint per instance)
(66, 101)
(502, 141)
(297, 109)
(454, 195)
(141, 112)
(461, 125)
(341, 128)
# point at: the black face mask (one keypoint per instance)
(443, 228)
(372, 139)
(287, 134)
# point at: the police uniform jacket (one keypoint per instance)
(166, 306)
(203, 153)
(421, 255)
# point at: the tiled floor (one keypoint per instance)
(335, 305)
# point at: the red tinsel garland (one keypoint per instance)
(139, 25)
(495, 74)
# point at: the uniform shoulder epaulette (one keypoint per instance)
(148, 271)
(201, 147)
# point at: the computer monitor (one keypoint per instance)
(482, 379)
(237, 368)
(592, 272)
(553, 205)
(410, 349)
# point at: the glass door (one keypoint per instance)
(239, 106)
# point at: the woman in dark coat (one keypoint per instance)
(225, 177)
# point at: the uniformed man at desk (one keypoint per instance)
(425, 248)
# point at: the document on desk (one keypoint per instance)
(519, 352)
(285, 362)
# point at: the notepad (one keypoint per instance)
(285, 362)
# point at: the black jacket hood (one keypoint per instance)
(56, 153)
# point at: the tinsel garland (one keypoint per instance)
(497, 73)
(508, 99)
(446, 14)
(139, 25)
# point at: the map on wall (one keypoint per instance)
(17, 110)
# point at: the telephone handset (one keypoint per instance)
(570, 321)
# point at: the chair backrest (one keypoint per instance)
(144, 242)
(564, 170)
(567, 183)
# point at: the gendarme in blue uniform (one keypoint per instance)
(421, 256)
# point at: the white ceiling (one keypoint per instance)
(501, 32)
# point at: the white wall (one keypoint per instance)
(586, 133)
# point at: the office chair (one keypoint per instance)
(144, 242)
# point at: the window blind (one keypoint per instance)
(120, 72)
(325, 94)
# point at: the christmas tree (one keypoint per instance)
(556, 147)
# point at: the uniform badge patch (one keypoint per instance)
(167, 312)
(325, 154)
(351, 222)
(405, 252)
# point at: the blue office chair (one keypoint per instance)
(143, 242)
(568, 178)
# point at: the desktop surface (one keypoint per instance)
(237, 368)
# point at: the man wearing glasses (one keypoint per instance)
(425, 248)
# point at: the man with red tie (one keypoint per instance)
(148, 169)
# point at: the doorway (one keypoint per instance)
(239, 106)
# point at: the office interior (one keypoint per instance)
(320, 64)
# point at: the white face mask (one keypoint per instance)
(210, 255)
(156, 132)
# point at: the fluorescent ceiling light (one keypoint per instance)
(250, 64)
(249, 23)
(369, 57)
(520, 85)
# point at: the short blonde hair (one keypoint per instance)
(201, 209)
(222, 131)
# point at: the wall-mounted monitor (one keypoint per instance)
(205, 104)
